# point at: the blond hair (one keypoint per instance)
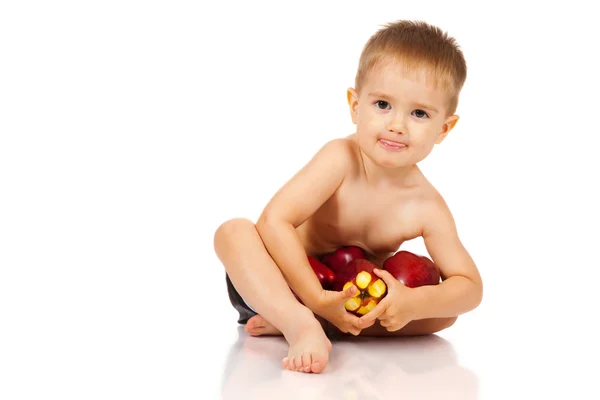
(417, 45)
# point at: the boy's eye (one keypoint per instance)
(420, 114)
(382, 104)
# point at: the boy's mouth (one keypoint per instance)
(391, 145)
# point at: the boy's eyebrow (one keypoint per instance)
(379, 94)
(426, 106)
(419, 105)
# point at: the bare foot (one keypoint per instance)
(257, 326)
(309, 349)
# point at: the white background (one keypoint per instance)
(129, 130)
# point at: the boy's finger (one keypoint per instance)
(354, 331)
(372, 315)
(348, 293)
(385, 275)
(353, 320)
(367, 325)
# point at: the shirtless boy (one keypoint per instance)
(364, 190)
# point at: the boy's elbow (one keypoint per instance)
(267, 222)
(262, 224)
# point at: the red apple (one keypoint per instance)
(342, 256)
(412, 270)
(325, 275)
(371, 289)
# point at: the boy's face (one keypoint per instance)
(398, 117)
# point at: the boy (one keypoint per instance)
(364, 190)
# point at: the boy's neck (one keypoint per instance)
(378, 176)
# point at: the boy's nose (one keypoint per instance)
(396, 124)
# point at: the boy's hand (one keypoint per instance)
(331, 307)
(395, 310)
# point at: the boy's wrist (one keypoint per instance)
(315, 300)
(418, 299)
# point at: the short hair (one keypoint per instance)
(417, 44)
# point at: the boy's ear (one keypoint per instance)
(447, 127)
(352, 103)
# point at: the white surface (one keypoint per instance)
(130, 130)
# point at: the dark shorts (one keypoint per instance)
(245, 312)
(238, 303)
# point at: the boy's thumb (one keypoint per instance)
(349, 293)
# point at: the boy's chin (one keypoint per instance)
(393, 161)
(389, 165)
(388, 160)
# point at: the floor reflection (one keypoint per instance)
(359, 368)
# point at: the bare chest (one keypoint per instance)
(377, 221)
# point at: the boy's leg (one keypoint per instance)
(414, 328)
(261, 284)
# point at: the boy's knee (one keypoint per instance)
(434, 325)
(230, 227)
(449, 322)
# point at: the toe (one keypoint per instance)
(252, 331)
(291, 364)
(298, 364)
(318, 364)
(316, 367)
(306, 362)
(255, 322)
(285, 363)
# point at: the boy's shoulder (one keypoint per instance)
(343, 145)
(434, 212)
(340, 151)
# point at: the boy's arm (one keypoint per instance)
(293, 204)
(461, 289)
